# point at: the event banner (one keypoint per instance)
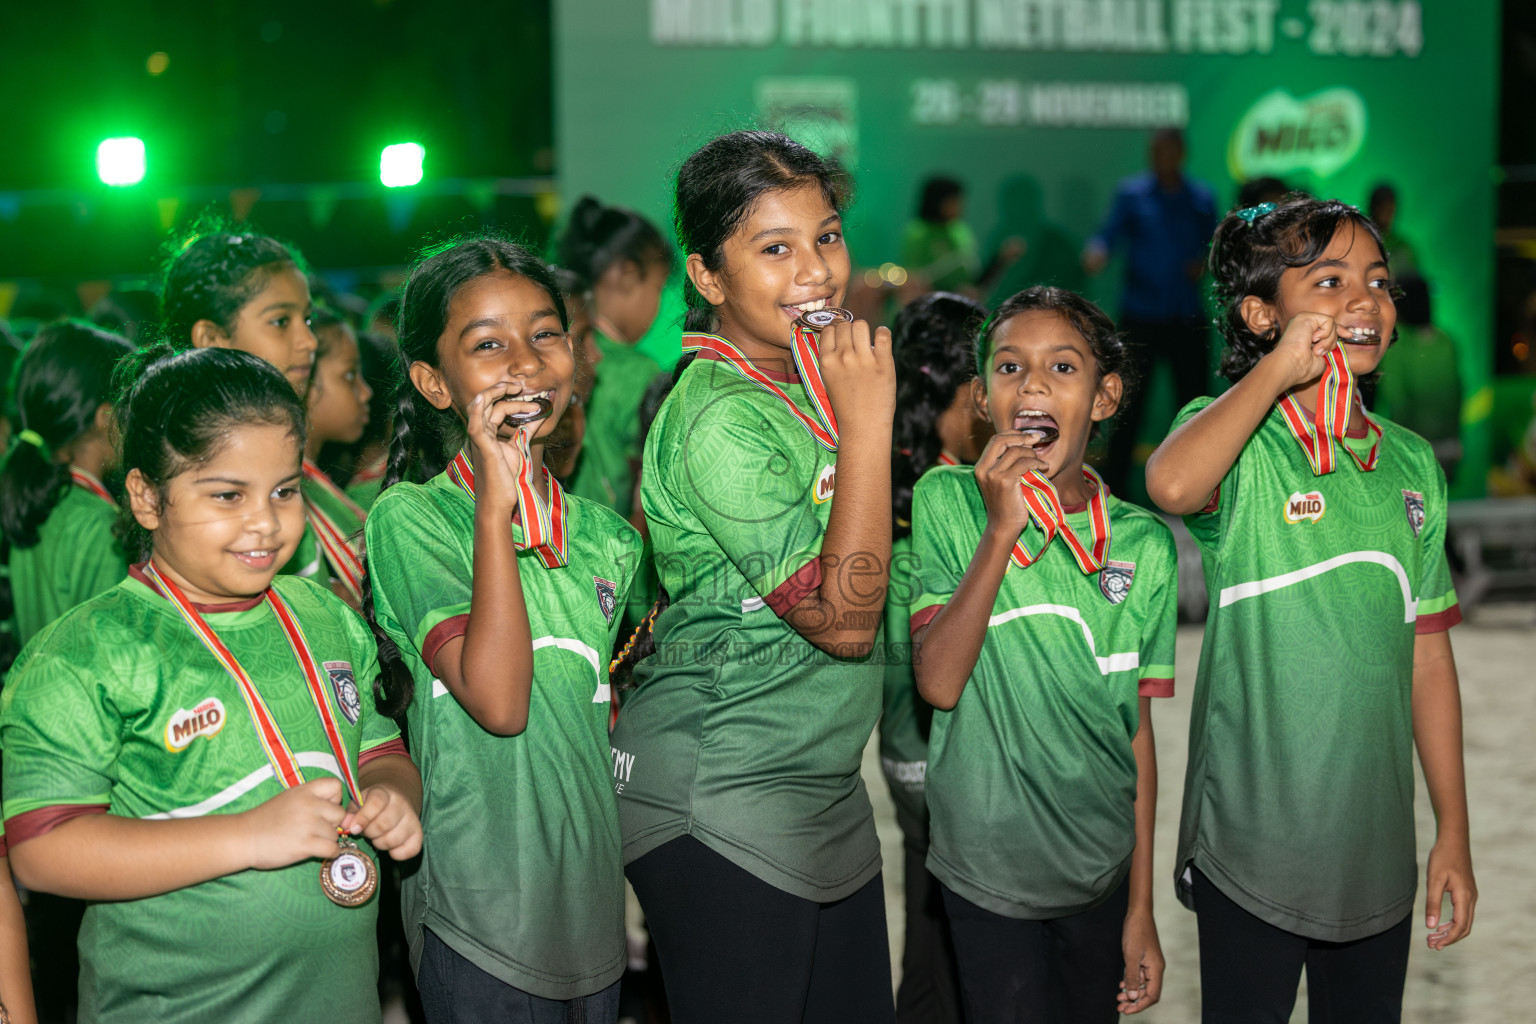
(1040, 107)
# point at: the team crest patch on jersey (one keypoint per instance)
(607, 596)
(1115, 580)
(205, 719)
(1309, 506)
(825, 485)
(1413, 504)
(344, 686)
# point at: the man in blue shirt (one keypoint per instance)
(1165, 221)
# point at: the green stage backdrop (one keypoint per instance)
(1042, 106)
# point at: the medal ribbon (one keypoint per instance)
(946, 459)
(271, 737)
(823, 426)
(1047, 513)
(85, 481)
(543, 522)
(344, 559)
(1337, 394)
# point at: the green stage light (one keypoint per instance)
(120, 161)
(400, 164)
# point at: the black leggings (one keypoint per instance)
(1066, 970)
(1249, 969)
(734, 948)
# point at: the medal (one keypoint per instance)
(350, 872)
(817, 319)
(343, 558)
(349, 877)
(1037, 436)
(523, 419)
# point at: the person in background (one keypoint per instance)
(626, 262)
(940, 248)
(1163, 219)
(1382, 208)
(1261, 190)
(132, 312)
(563, 450)
(1420, 384)
(363, 463)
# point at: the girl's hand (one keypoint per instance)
(1450, 871)
(859, 373)
(1144, 964)
(295, 825)
(1003, 461)
(387, 820)
(1299, 354)
(498, 461)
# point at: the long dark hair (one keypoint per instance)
(176, 408)
(1108, 345)
(718, 186)
(599, 236)
(1250, 253)
(932, 338)
(60, 381)
(422, 432)
(214, 271)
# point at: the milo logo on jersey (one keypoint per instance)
(1309, 506)
(205, 719)
(825, 485)
(1413, 505)
(1115, 580)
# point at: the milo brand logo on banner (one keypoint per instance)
(1280, 134)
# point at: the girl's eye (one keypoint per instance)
(1328, 282)
(1383, 283)
(830, 238)
(285, 493)
(1063, 367)
(543, 336)
(488, 343)
(1007, 368)
(776, 249)
(225, 496)
(281, 323)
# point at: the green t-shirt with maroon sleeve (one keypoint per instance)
(1031, 776)
(740, 732)
(520, 870)
(905, 718)
(1298, 799)
(117, 707)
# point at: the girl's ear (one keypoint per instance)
(1107, 400)
(143, 500)
(1260, 316)
(102, 421)
(207, 334)
(705, 280)
(427, 379)
(979, 399)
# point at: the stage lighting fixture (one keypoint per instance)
(120, 161)
(400, 164)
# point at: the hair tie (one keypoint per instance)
(1253, 213)
(925, 371)
(35, 439)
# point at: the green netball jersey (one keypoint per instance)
(611, 446)
(740, 732)
(1298, 801)
(905, 718)
(1031, 776)
(76, 557)
(520, 870)
(118, 707)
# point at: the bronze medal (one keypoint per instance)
(350, 877)
(816, 319)
(1037, 436)
(524, 418)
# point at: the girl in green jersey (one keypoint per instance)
(196, 751)
(1327, 657)
(56, 514)
(494, 598)
(1042, 626)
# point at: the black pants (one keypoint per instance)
(1066, 970)
(734, 948)
(930, 991)
(1249, 969)
(456, 991)
(1183, 344)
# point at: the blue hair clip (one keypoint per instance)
(1253, 213)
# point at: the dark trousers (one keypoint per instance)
(734, 948)
(1183, 344)
(1249, 969)
(1066, 970)
(930, 991)
(455, 991)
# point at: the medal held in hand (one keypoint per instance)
(816, 319)
(350, 877)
